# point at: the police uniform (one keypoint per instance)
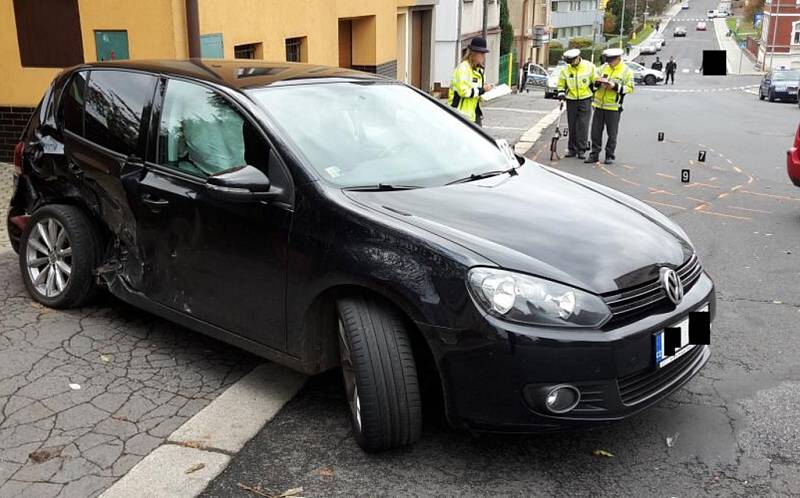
(607, 104)
(575, 84)
(466, 85)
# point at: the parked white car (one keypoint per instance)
(711, 14)
(644, 75)
(648, 48)
(551, 90)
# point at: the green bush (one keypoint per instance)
(556, 44)
(580, 42)
(555, 55)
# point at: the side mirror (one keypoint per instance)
(243, 184)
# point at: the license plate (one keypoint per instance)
(661, 359)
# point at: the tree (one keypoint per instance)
(506, 29)
(609, 22)
(615, 8)
(752, 7)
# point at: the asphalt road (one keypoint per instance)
(732, 430)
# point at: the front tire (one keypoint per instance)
(760, 94)
(380, 375)
(771, 96)
(58, 252)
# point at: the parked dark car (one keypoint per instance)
(793, 159)
(779, 84)
(323, 217)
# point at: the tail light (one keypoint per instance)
(20, 147)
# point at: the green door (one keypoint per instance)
(111, 45)
(211, 46)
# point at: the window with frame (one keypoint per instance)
(200, 133)
(295, 49)
(72, 100)
(554, 6)
(796, 33)
(116, 101)
(248, 51)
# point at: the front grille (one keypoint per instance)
(637, 387)
(592, 400)
(632, 304)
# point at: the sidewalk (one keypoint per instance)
(6, 185)
(738, 63)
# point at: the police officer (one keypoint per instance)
(467, 84)
(575, 84)
(614, 82)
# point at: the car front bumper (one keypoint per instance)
(486, 371)
(784, 93)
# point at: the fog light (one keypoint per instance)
(561, 399)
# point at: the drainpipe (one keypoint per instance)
(485, 18)
(774, 33)
(193, 28)
(522, 35)
(458, 34)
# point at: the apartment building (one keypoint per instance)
(571, 18)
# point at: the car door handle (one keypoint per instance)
(154, 204)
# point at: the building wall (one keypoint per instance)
(537, 15)
(156, 29)
(151, 33)
(446, 42)
(776, 45)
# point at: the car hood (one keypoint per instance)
(545, 223)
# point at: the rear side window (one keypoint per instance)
(72, 103)
(115, 104)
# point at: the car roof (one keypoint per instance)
(240, 74)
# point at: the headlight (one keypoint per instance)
(535, 301)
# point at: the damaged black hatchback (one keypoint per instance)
(322, 217)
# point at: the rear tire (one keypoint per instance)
(649, 80)
(380, 375)
(58, 253)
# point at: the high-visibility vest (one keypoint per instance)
(576, 82)
(466, 88)
(608, 99)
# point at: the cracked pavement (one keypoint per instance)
(135, 378)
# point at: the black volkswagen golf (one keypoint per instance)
(323, 218)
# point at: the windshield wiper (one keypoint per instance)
(481, 176)
(382, 187)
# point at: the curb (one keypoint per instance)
(529, 138)
(203, 446)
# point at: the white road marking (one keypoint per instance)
(504, 128)
(511, 109)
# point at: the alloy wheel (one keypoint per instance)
(49, 257)
(349, 375)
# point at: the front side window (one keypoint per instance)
(72, 103)
(356, 134)
(115, 104)
(201, 134)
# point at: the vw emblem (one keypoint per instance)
(672, 284)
